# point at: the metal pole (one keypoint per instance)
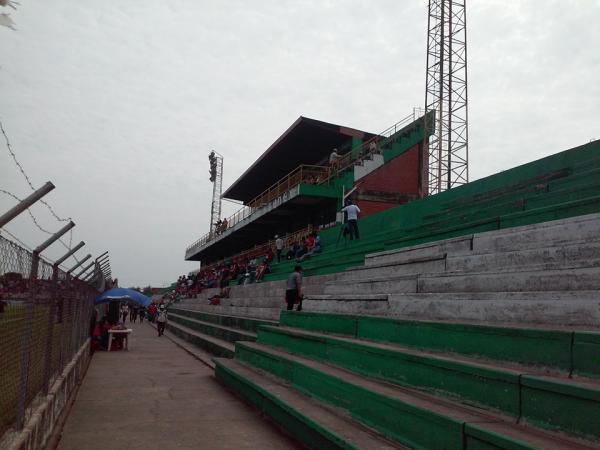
(85, 270)
(101, 256)
(88, 256)
(88, 275)
(52, 239)
(101, 261)
(62, 259)
(25, 203)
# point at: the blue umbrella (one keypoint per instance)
(122, 294)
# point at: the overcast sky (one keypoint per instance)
(118, 103)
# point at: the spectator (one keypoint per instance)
(278, 247)
(352, 211)
(334, 160)
(161, 320)
(291, 253)
(224, 281)
(262, 270)
(293, 292)
(124, 312)
(152, 309)
(314, 248)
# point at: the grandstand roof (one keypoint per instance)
(306, 141)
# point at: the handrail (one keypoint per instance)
(311, 174)
(372, 146)
(302, 174)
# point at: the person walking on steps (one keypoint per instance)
(161, 320)
(352, 211)
(293, 292)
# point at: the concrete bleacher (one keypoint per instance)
(470, 319)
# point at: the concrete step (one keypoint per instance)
(229, 334)
(243, 311)
(400, 413)
(541, 280)
(211, 344)
(557, 308)
(578, 308)
(430, 264)
(576, 255)
(372, 285)
(306, 419)
(347, 303)
(492, 385)
(423, 252)
(243, 323)
(547, 234)
(257, 302)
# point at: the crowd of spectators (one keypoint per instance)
(244, 270)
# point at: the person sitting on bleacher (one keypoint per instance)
(314, 245)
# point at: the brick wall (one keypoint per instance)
(398, 176)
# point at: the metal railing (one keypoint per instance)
(44, 320)
(262, 249)
(373, 146)
(313, 175)
(301, 174)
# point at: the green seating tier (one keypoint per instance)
(559, 186)
(430, 384)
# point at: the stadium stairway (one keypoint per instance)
(544, 274)
(470, 319)
(344, 381)
(515, 363)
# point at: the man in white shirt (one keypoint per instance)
(333, 160)
(278, 247)
(352, 212)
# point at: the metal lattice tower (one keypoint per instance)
(216, 176)
(446, 93)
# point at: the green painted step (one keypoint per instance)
(561, 405)
(228, 334)
(244, 323)
(472, 382)
(514, 191)
(577, 352)
(217, 347)
(305, 419)
(549, 402)
(412, 418)
(586, 351)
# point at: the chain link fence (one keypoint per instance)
(45, 318)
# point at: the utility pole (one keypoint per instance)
(216, 178)
(446, 94)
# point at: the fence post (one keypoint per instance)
(26, 341)
(25, 203)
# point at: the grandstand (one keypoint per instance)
(467, 319)
(292, 188)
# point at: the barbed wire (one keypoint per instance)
(17, 240)
(22, 170)
(68, 247)
(20, 167)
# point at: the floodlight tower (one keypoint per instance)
(446, 93)
(216, 178)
